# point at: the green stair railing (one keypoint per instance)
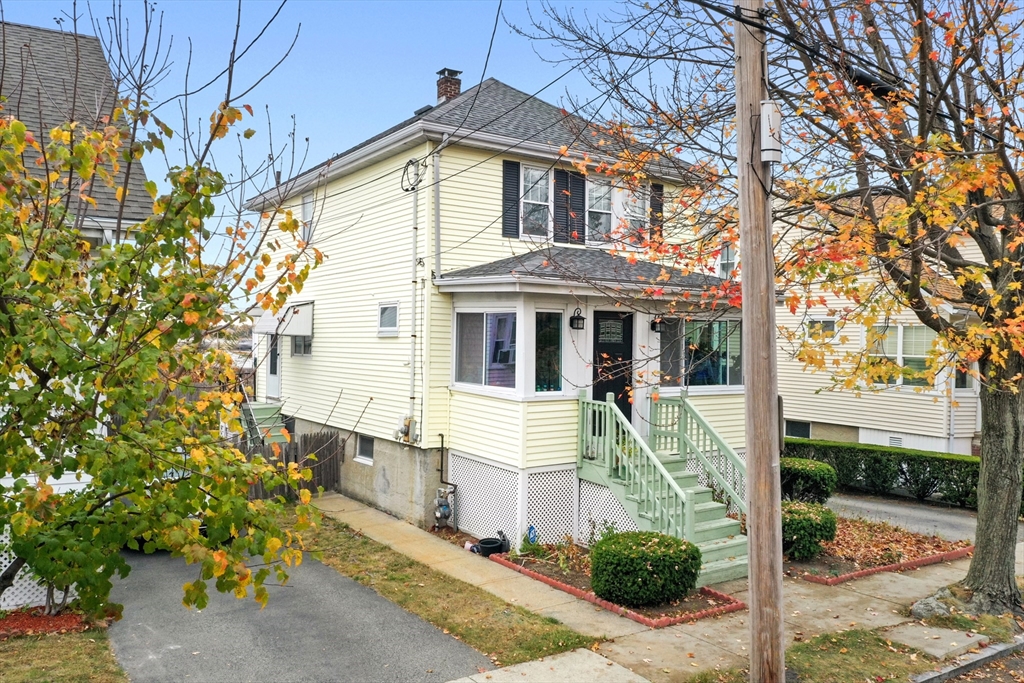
(610, 442)
(678, 428)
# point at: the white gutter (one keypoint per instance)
(528, 283)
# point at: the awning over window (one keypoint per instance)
(294, 320)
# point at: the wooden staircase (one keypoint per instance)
(659, 490)
(263, 424)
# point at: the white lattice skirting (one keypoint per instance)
(600, 508)
(26, 591)
(553, 500)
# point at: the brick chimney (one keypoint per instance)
(449, 85)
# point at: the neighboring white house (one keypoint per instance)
(42, 69)
(474, 305)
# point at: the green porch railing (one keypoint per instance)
(609, 441)
(678, 428)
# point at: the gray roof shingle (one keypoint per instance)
(39, 71)
(587, 266)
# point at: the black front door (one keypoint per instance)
(613, 358)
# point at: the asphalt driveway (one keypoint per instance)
(322, 626)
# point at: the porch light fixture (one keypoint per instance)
(658, 325)
(577, 321)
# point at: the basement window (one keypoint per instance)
(364, 449)
(799, 430)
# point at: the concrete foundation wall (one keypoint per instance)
(834, 432)
(402, 480)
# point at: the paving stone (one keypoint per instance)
(577, 666)
(941, 643)
(664, 655)
(902, 588)
(591, 620)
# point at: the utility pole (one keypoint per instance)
(764, 515)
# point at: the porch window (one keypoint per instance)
(549, 352)
(701, 353)
(599, 209)
(485, 349)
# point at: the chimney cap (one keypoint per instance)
(448, 73)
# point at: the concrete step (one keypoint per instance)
(723, 549)
(722, 570)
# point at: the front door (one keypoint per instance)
(274, 369)
(613, 358)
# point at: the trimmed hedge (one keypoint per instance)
(642, 568)
(808, 480)
(804, 527)
(880, 469)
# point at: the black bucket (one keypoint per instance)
(489, 546)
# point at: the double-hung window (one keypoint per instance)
(306, 231)
(636, 212)
(701, 353)
(485, 349)
(302, 346)
(821, 329)
(599, 209)
(536, 201)
(908, 347)
(726, 261)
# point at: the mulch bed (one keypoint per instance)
(31, 621)
(449, 534)
(863, 547)
(701, 604)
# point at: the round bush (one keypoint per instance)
(642, 568)
(807, 480)
(804, 527)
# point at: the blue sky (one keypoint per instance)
(358, 67)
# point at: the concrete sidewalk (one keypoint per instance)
(668, 654)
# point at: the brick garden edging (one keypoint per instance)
(733, 605)
(911, 564)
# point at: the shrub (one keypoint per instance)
(804, 527)
(641, 568)
(807, 480)
(920, 476)
(881, 471)
(959, 484)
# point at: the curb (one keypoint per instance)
(733, 605)
(972, 661)
(901, 566)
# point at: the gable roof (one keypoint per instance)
(596, 267)
(52, 77)
(492, 115)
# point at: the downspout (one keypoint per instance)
(410, 421)
(951, 411)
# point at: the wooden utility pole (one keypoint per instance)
(764, 515)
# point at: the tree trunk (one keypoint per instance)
(991, 576)
(7, 577)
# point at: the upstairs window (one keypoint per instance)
(599, 209)
(536, 201)
(821, 329)
(485, 349)
(701, 353)
(726, 262)
(636, 212)
(306, 229)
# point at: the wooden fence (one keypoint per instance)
(328, 449)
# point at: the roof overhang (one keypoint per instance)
(294, 320)
(545, 285)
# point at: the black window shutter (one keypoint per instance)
(561, 206)
(577, 208)
(657, 211)
(510, 199)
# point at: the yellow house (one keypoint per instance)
(478, 321)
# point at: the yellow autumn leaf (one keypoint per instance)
(305, 496)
